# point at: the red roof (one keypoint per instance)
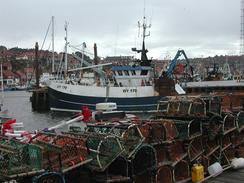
(28, 70)
(9, 74)
(21, 74)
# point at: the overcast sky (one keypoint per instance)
(200, 27)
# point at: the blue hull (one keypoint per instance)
(59, 100)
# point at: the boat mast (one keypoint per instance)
(37, 64)
(144, 35)
(52, 44)
(2, 85)
(66, 46)
(143, 51)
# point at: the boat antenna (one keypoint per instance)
(66, 46)
(143, 51)
(52, 44)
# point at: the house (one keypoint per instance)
(10, 78)
(22, 76)
(29, 72)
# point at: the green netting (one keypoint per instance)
(188, 129)
(173, 107)
(198, 109)
(128, 134)
(184, 107)
(229, 123)
(34, 156)
(104, 149)
(240, 121)
(18, 158)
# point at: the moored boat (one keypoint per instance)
(131, 87)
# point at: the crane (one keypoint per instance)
(173, 63)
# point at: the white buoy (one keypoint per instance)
(106, 106)
(237, 163)
(215, 169)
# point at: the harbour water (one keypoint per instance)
(18, 105)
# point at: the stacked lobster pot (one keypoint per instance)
(61, 153)
(106, 150)
(240, 126)
(185, 116)
(19, 160)
(162, 149)
(48, 156)
(171, 156)
(223, 129)
(136, 159)
(208, 134)
(238, 135)
(232, 106)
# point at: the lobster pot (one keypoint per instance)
(240, 151)
(131, 138)
(213, 126)
(158, 131)
(205, 162)
(229, 124)
(240, 121)
(61, 152)
(227, 140)
(236, 137)
(49, 177)
(130, 135)
(212, 149)
(170, 154)
(162, 154)
(238, 142)
(228, 149)
(147, 177)
(164, 174)
(227, 154)
(143, 160)
(189, 129)
(181, 171)
(19, 159)
(194, 107)
(117, 171)
(194, 148)
(175, 152)
(103, 149)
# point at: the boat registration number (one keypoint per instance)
(129, 90)
(60, 86)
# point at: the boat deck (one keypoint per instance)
(231, 176)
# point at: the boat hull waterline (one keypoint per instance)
(64, 101)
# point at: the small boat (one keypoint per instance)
(21, 87)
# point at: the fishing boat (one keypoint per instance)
(131, 87)
(217, 80)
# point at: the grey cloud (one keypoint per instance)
(196, 25)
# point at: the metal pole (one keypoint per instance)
(52, 44)
(2, 83)
(95, 54)
(66, 55)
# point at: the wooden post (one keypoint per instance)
(37, 64)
